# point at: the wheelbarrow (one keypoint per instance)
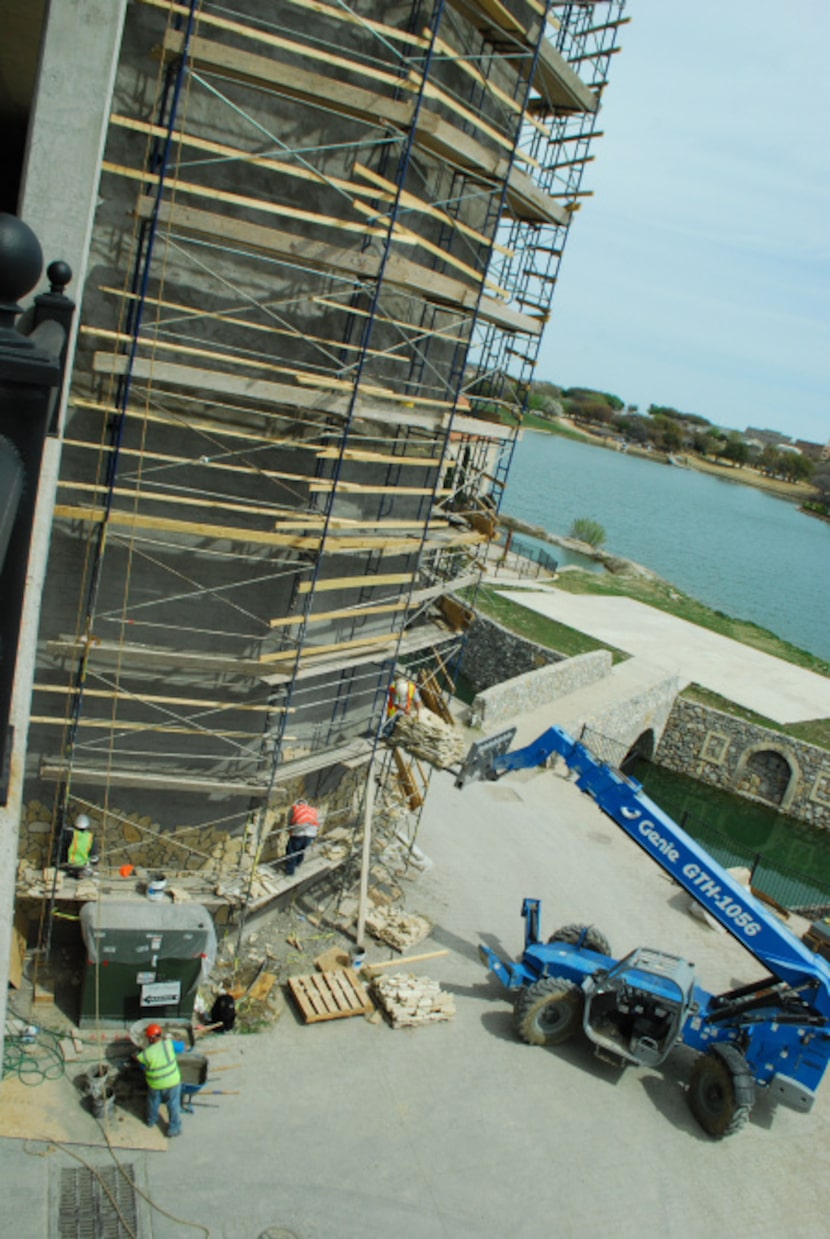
(194, 1069)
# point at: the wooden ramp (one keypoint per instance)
(330, 995)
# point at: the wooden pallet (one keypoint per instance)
(330, 995)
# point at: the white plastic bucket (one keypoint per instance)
(156, 887)
(358, 957)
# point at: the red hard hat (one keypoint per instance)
(154, 1031)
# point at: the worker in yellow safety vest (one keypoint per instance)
(81, 852)
(164, 1079)
(404, 698)
(303, 827)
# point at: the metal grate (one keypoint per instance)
(607, 749)
(99, 1203)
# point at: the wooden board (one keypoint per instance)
(264, 391)
(398, 272)
(406, 778)
(262, 987)
(227, 533)
(17, 953)
(330, 995)
(315, 88)
(332, 960)
(54, 1111)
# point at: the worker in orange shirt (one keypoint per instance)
(403, 698)
(303, 827)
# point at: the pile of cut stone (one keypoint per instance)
(428, 736)
(397, 928)
(40, 883)
(409, 1000)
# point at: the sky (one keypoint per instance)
(698, 274)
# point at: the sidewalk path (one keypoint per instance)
(769, 686)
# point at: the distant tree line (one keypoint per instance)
(668, 430)
(660, 429)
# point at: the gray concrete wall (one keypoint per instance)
(216, 306)
(767, 766)
(66, 135)
(524, 693)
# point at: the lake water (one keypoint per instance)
(737, 549)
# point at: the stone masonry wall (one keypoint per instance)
(767, 766)
(536, 688)
(493, 654)
(614, 729)
(128, 837)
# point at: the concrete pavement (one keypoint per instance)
(344, 1130)
(776, 689)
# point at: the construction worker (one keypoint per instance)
(303, 826)
(81, 851)
(404, 698)
(164, 1079)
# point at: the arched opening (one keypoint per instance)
(766, 774)
(642, 747)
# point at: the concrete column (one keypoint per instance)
(67, 131)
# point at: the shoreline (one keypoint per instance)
(615, 564)
(745, 475)
(643, 584)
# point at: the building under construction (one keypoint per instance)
(322, 245)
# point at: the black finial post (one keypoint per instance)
(21, 262)
(31, 375)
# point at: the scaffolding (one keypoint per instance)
(322, 264)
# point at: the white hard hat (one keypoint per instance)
(82, 822)
(401, 685)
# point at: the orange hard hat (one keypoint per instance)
(126, 870)
(154, 1031)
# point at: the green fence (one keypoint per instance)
(799, 892)
(789, 887)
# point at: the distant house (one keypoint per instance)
(767, 438)
(813, 451)
(758, 439)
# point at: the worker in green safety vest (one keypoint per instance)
(164, 1079)
(81, 852)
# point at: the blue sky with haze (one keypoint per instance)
(698, 274)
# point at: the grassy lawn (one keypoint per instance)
(531, 422)
(538, 628)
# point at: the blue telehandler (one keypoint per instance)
(773, 1034)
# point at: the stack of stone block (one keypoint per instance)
(409, 1000)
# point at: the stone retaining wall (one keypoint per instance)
(539, 687)
(751, 761)
(637, 722)
(493, 654)
(129, 838)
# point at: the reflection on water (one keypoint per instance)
(784, 842)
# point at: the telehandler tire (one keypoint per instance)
(721, 1091)
(548, 1012)
(595, 940)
